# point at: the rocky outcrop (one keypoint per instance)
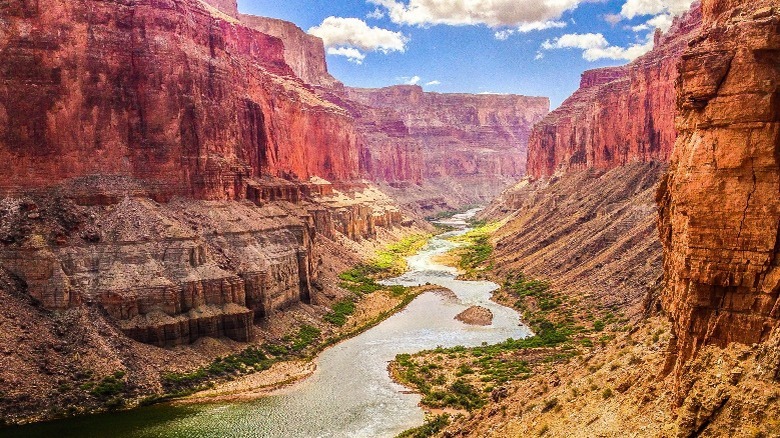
(719, 204)
(176, 94)
(304, 53)
(466, 147)
(172, 273)
(475, 315)
(618, 115)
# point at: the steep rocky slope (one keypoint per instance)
(718, 221)
(619, 114)
(720, 210)
(589, 231)
(464, 148)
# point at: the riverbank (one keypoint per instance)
(370, 311)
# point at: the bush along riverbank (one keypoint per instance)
(461, 380)
(366, 304)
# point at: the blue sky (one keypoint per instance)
(475, 46)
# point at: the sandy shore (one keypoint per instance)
(256, 385)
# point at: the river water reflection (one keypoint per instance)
(350, 394)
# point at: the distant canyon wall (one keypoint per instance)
(618, 115)
(466, 147)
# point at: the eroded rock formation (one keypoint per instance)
(720, 208)
(428, 145)
(304, 53)
(619, 114)
(174, 93)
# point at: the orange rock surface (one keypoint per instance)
(719, 203)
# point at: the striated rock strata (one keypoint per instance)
(719, 203)
(304, 53)
(174, 93)
(619, 114)
(589, 231)
(172, 273)
(463, 147)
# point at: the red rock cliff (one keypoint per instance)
(619, 114)
(304, 53)
(171, 92)
(474, 145)
(719, 203)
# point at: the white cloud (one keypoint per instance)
(376, 14)
(350, 36)
(352, 54)
(539, 55)
(493, 13)
(663, 22)
(613, 19)
(414, 80)
(502, 35)
(432, 83)
(594, 47)
(634, 8)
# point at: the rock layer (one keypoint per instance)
(720, 209)
(304, 53)
(465, 147)
(172, 273)
(175, 93)
(618, 115)
(588, 231)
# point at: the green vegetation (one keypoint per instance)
(432, 426)
(477, 249)
(341, 310)
(250, 360)
(109, 386)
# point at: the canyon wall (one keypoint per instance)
(584, 217)
(166, 163)
(619, 114)
(304, 53)
(465, 147)
(719, 203)
(173, 93)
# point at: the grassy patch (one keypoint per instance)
(432, 426)
(341, 310)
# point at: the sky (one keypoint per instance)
(528, 47)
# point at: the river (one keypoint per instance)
(350, 394)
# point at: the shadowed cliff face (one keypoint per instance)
(619, 114)
(175, 93)
(720, 209)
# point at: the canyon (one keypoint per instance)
(184, 181)
(180, 172)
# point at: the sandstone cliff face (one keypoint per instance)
(719, 203)
(466, 146)
(174, 93)
(304, 53)
(619, 114)
(172, 273)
